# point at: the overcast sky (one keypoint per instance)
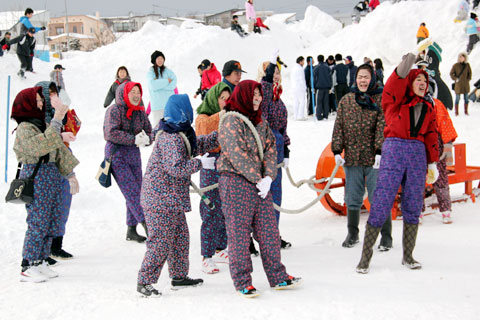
(170, 8)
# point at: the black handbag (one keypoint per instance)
(22, 190)
(104, 174)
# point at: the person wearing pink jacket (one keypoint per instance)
(251, 15)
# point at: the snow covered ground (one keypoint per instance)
(100, 282)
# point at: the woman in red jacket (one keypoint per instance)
(411, 141)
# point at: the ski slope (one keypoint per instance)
(100, 282)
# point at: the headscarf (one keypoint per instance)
(131, 107)
(210, 105)
(365, 99)
(178, 117)
(25, 108)
(242, 101)
(277, 86)
(411, 98)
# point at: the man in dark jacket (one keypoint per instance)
(308, 80)
(341, 78)
(25, 47)
(5, 43)
(352, 68)
(235, 26)
(323, 83)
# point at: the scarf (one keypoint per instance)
(184, 127)
(242, 101)
(131, 107)
(210, 105)
(277, 91)
(365, 99)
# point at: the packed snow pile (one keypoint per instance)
(100, 282)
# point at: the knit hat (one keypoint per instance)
(349, 58)
(231, 66)
(155, 55)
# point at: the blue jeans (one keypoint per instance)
(458, 96)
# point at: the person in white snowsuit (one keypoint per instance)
(299, 89)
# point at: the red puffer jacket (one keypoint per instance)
(398, 102)
(210, 77)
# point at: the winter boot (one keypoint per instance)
(371, 235)
(148, 290)
(446, 217)
(409, 239)
(57, 251)
(289, 283)
(353, 217)
(51, 262)
(466, 109)
(456, 109)
(386, 232)
(144, 225)
(285, 244)
(132, 235)
(179, 283)
(248, 292)
(46, 271)
(253, 250)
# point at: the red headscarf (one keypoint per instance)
(242, 100)
(25, 105)
(413, 99)
(128, 87)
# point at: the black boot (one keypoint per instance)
(371, 235)
(253, 250)
(57, 251)
(285, 244)
(353, 217)
(179, 283)
(409, 239)
(148, 290)
(144, 225)
(386, 232)
(132, 235)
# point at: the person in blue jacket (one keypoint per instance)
(471, 29)
(26, 24)
(161, 84)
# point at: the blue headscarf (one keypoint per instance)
(178, 117)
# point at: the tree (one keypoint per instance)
(74, 44)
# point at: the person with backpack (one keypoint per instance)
(461, 73)
(166, 198)
(126, 129)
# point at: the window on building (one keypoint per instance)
(59, 30)
(91, 30)
(75, 29)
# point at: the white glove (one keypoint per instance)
(423, 45)
(60, 108)
(68, 137)
(285, 162)
(264, 186)
(74, 186)
(207, 162)
(141, 139)
(432, 173)
(274, 56)
(376, 165)
(339, 160)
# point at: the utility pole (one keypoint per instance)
(66, 22)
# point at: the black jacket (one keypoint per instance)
(341, 73)
(238, 28)
(322, 77)
(25, 46)
(307, 77)
(353, 72)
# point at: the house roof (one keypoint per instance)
(9, 18)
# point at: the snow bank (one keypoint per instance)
(100, 282)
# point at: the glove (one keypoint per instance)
(141, 139)
(4, 47)
(423, 45)
(60, 108)
(274, 56)
(285, 162)
(68, 137)
(447, 154)
(376, 165)
(207, 162)
(74, 187)
(432, 173)
(339, 160)
(264, 186)
(43, 28)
